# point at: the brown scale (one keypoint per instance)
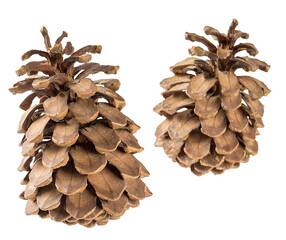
(212, 115)
(78, 150)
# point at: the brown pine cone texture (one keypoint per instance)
(212, 115)
(78, 146)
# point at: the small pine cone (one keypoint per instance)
(78, 146)
(212, 115)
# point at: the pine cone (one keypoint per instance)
(212, 115)
(78, 149)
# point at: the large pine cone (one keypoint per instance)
(212, 116)
(78, 150)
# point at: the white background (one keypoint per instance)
(145, 38)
